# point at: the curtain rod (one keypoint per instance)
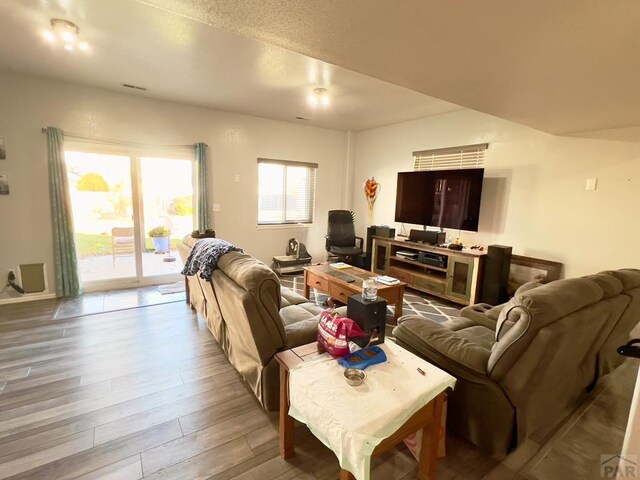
(119, 142)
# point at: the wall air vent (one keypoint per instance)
(134, 87)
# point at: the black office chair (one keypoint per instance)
(341, 236)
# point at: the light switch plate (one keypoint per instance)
(592, 183)
(216, 207)
(236, 178)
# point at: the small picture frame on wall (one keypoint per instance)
(4, 184)
(3, 151)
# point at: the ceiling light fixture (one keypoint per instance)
(320, 96)
(67, 32)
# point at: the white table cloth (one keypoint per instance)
(352, 421)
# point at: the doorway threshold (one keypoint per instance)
(113, 300)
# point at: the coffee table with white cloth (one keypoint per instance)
(358, 422)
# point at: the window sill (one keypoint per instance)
(284, 226)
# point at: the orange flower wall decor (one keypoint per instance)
(371, 190)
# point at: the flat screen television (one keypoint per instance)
(440, 198)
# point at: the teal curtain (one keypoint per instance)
(203, 191)
(64, 244)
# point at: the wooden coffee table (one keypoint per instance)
(333, 282)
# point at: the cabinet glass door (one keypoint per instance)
(381, 254)
(459, 278)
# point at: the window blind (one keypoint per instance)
(286, 191)
(466, 156)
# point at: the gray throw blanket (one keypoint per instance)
(204, 257)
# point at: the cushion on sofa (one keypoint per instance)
(525, 287)
(479, 335)
(295, 313)
(469, 329)
(189, 241)
(609, 284)
(301, 323)
(246, 271)
(482, 314)
(289, 297)
(438, 342)
(548, 303)
(630, 277)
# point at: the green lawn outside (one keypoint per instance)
(90, 245)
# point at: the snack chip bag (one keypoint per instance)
(334, 333)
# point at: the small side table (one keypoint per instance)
(427, 419)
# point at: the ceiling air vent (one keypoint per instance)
(303, 118)
(134, 87)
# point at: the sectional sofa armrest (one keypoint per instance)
(442, 346)
(483, 314)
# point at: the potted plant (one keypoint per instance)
(160, 238)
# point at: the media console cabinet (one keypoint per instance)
(459, 281)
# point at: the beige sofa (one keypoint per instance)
(252, 317)
(522, 366)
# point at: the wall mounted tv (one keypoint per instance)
(440, 198)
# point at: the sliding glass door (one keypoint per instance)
(129, 213)
(167, 205)
(102, 201)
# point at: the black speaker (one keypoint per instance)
(373, 230)
(384, 231)
(366, 261)
(431, 237)
(496, 275)
(370, 316)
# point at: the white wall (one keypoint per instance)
(235, 142)
(534, 195)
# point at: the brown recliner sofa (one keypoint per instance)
(523, 366)
(252, 317)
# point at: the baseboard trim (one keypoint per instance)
(28, 298)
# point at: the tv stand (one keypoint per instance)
(458, 281)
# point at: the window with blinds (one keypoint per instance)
(466, 156)
(286, 191)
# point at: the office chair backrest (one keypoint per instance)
(341, 231)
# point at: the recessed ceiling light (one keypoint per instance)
(67, 32)
(67, 36)
(320, 96)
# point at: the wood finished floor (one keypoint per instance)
(148, 393)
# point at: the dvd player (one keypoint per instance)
(434, 259)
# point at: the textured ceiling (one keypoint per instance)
(561, 66)
(188, 61)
